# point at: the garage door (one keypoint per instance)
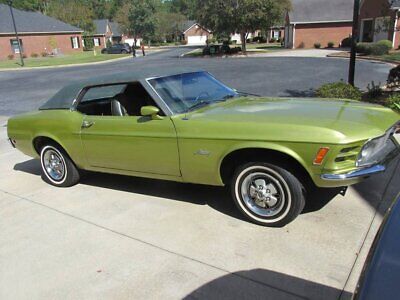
(197, 40)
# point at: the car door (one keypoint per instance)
(113, 49)
(131, 143)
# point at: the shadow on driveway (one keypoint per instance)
(264, 284)
(218, 198)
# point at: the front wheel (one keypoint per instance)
(267, 194)
(58, 168)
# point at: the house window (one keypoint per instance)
(276, 34)
(367, 29)
(96, 42)
(75, 42)
(14, 46)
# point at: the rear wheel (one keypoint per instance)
(124, 52)
(267, 194)
(58, 169)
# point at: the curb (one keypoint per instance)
(388, 61)
(64, 66)
(75, 65)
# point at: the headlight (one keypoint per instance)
(375, 150)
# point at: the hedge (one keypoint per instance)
(380, 48)
(339, 90)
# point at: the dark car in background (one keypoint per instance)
(381, 273)
(117, 49)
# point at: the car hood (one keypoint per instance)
(305, 120)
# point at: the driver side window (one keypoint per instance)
(115, 100)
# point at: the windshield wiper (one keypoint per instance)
(199, 104)
(247, 94)
(208, 102)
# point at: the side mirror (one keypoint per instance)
(151, 111)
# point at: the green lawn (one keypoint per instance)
(395, 56)
(275, 46)
(77, 58)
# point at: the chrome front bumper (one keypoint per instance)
(355, 174)
(371, 170)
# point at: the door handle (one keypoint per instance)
(87, 124)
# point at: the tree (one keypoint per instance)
(167, 25)
(32, 5)
(183, 7)
(241, 16)
(74, 12)
(137, 18)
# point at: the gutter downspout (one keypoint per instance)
(395, 28)
(294, 36)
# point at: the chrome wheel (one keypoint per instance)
(53, 164)
(262, 194)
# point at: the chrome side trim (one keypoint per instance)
(355, 174)
(158, 95)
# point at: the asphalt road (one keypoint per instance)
(21, 91)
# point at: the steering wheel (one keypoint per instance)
(206, 94)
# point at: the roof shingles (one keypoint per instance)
(314, 11)
(31, 22)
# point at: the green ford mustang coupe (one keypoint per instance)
(187, 126)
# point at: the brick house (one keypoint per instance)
(318, 21)
(37, 33)
(379, 21)
(194, 33)
(107, 30)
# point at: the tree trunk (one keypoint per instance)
(243, 38)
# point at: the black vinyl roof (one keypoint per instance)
(64, 98)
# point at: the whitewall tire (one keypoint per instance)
(267, 194)
(57, 167)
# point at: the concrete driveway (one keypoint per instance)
(116, 237)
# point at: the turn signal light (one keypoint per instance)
(322, 152)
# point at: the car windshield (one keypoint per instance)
(189, 91)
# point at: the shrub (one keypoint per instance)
(24, 56)
(339, 90)
(10, 56)
(364, 48)
(272, 40)
(346, 42)
(394, 76)
(263, 39)
(317, 45)
(235, 50)
(387, 43)
(34, 55)
(184, 42)
(211, 41)
(44, 54)
(374, 90)
(225, 48)
(331, 44)
(394, 102)
(378, 49)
